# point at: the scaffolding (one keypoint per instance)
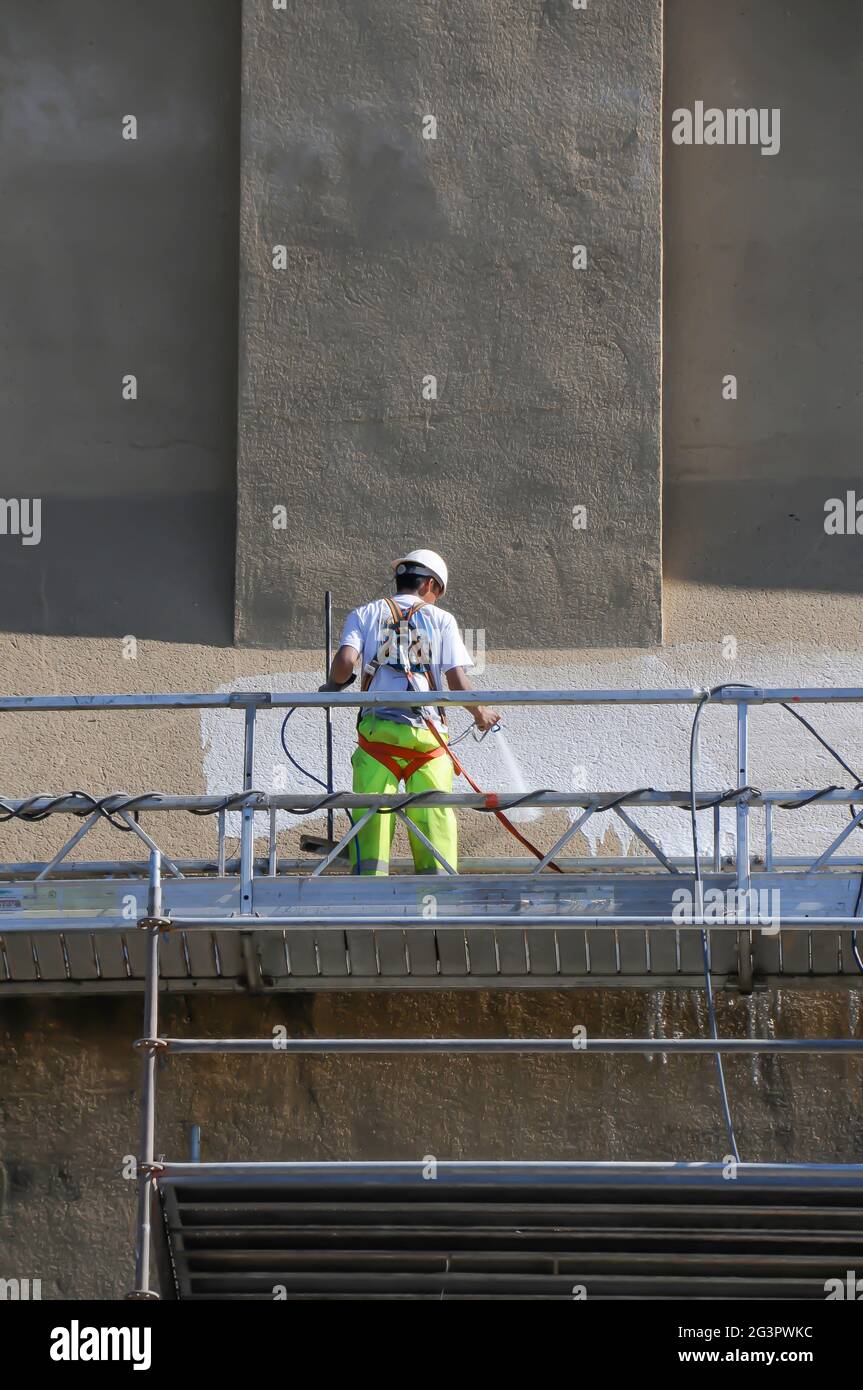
(572, 919)
(530, 1194)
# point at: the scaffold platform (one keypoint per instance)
(71, 937)
(65, 925)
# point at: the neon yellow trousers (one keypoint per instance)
(370, 849)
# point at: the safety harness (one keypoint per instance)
(387, 753)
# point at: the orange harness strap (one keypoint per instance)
(386, 753)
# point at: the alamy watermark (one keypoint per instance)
(848, 1288)
(20, 1290)
(22, 517)
(759, 907)
(844, 515)
(77, 1343)
(734, 126)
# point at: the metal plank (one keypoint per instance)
(112, 961)
(362, 956)
(49, 953)
(825, 952)
(136, 948)
(82, 960)
(512, 952)
(482, 952)
(849, 965)
(270, 946)
(202, 956)
(603, 956)
(19, 953)
(795, 952)
(392, 954)
(227, 943)
(172, 960)
(766, 952)
(723, 952)
(452, 951)
(301, 952)
(422, 953)
(332, 953)
(663, 951)
(542, 954)
(691, 952)
(632, 950)
(573, 952)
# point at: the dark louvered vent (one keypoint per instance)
(616, 1237)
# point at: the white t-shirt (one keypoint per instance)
(439, 646)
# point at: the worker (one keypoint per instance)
(403, 643)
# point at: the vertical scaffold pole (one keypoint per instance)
(744, 938)
(153, 923)
(328, 643)
(247, 831)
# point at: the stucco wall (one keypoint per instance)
(407, 257)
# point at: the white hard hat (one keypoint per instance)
(425, 562)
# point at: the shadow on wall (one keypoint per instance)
(154, 568)
(746, 534)
(763, 284)
(119, 156)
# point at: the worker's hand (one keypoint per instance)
(485, 719)
(335, 685)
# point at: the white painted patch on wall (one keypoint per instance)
(608, 748)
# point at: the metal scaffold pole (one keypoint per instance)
(328, 643)
(153, 923)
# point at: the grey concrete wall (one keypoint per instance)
(118, 257)
(452, 257)
(762, 276)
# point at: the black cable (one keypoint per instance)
(114, 802)
(311, 776)
(31, 813)
(855, 950)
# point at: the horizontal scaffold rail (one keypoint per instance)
(492, 1046)
(347, 1171)
(36, 807)
(345, 699)
(525, 921)
(521, 921)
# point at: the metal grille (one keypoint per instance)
(509, 1232)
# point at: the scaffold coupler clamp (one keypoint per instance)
(151, 1044)
(162, 924)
